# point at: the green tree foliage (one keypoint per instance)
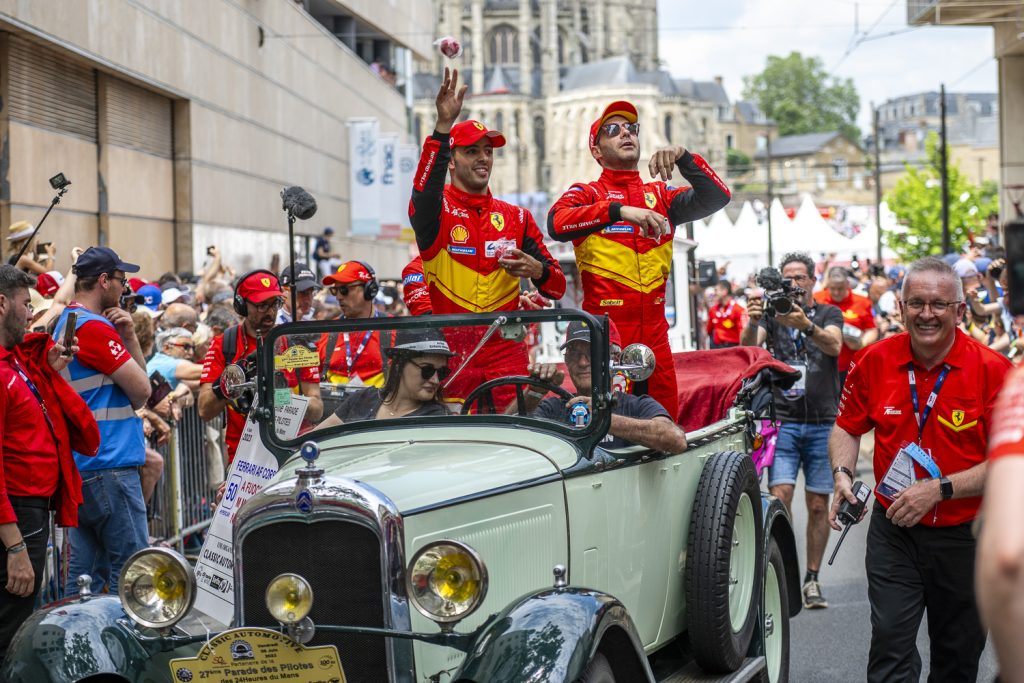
(737, 163)
(797, 93)
(917, 202)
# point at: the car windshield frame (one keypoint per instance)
(585, 438)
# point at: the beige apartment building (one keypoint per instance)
(178, 123)
(1008, 48)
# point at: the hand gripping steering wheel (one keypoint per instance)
(485, 393)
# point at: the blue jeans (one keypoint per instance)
(111, 526)
(806, 445)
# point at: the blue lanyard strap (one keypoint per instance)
(350, 360)
(922, 417)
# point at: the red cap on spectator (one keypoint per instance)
(468, 132)
(137, 283)
(47, 285)
(352, 271)
(259, 287)
(618, 108)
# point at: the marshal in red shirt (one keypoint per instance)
(856, 313)
(877, 396)
(726, 322)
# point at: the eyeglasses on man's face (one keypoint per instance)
(937, 307)
(427, 371)
(342, 290)
(122, 279)
(268, 305)
(188, 346)
(612, 130)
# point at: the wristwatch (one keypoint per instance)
(810, 330)
(946, 488)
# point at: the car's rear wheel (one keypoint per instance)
(776, 618)
(599, 671)
(724, 562)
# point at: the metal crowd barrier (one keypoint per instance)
(180, 508)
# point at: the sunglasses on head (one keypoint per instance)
(427, 371)
(342, 290)
(612, 130)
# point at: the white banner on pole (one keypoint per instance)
(253, 467)
(364, 176)
(408, 157)
(391, 205)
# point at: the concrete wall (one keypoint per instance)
(254, 119)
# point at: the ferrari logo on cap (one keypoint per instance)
(265, 281)
(479, 126)
(650, 199)
(459, 234)
(498, 221)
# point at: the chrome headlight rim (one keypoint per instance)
(481, 570)
(123, 587)
(303, 581)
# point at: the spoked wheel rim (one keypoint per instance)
(773, 637)
(742, 563)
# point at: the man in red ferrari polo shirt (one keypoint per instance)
(928, 394)
(725, 318)
(258, 296)
(858, 320)
(355, 358)
(621, 229)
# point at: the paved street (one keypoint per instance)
(831, 645)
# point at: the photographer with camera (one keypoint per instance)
(807, 335)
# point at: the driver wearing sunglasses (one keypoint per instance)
(417, 365)
(621, 228)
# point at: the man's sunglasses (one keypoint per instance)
(342, 290)
(612, 130)
(427, 371)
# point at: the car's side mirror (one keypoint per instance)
(233, 382)
(636, 361)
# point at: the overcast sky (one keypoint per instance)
(702, 39)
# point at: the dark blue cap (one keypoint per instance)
(98, 260)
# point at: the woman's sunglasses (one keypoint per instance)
(427, 371)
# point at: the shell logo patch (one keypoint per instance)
(650, 199)
(956, 421)
(265, 281)
(498, 221)
(459, 234)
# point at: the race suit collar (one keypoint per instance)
(470, 201)
(613, 177)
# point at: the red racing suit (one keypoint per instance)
(460, 237)
(623, 273)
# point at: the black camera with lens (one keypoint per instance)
(780, 294)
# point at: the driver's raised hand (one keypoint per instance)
(449, 101)
(547, 372)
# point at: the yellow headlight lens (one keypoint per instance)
(157, 587)
(447, 581)
(289, 598)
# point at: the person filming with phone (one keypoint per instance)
(109, 373)
(41, 420)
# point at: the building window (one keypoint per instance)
(728, 141)
(839, 169)
(504, 45)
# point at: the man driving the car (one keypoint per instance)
(636, 420)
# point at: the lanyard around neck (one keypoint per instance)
(919, 415)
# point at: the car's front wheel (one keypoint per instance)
(599, 671)
(724, 562)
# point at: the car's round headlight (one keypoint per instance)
(289, 598)
(157, 587)
(447, 581)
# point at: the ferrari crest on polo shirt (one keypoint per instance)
(956, 421)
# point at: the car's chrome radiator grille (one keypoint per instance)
(342, 562)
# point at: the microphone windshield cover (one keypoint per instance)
(298, 202)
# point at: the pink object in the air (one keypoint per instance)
(449, 47)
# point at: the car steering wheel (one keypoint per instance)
(486, 392)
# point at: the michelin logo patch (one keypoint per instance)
(619, 227)
(461, 250)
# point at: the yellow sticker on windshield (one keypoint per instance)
(297, 356)
(252, 654)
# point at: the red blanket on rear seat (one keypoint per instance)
(709, 381)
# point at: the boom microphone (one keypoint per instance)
(298, 202)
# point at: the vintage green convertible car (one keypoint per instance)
(487, 545)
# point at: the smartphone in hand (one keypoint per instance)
(69, 333)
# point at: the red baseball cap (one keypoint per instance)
(258, 287)
(352, 271)
(47, 285)
(468, 132)
(618, 108)
(136, 283)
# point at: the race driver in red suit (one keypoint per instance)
(622, 230)
(474, 248)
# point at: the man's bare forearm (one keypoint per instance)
(843, 449)
(661, 434)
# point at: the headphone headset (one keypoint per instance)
(237, 302)
(372, 287)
